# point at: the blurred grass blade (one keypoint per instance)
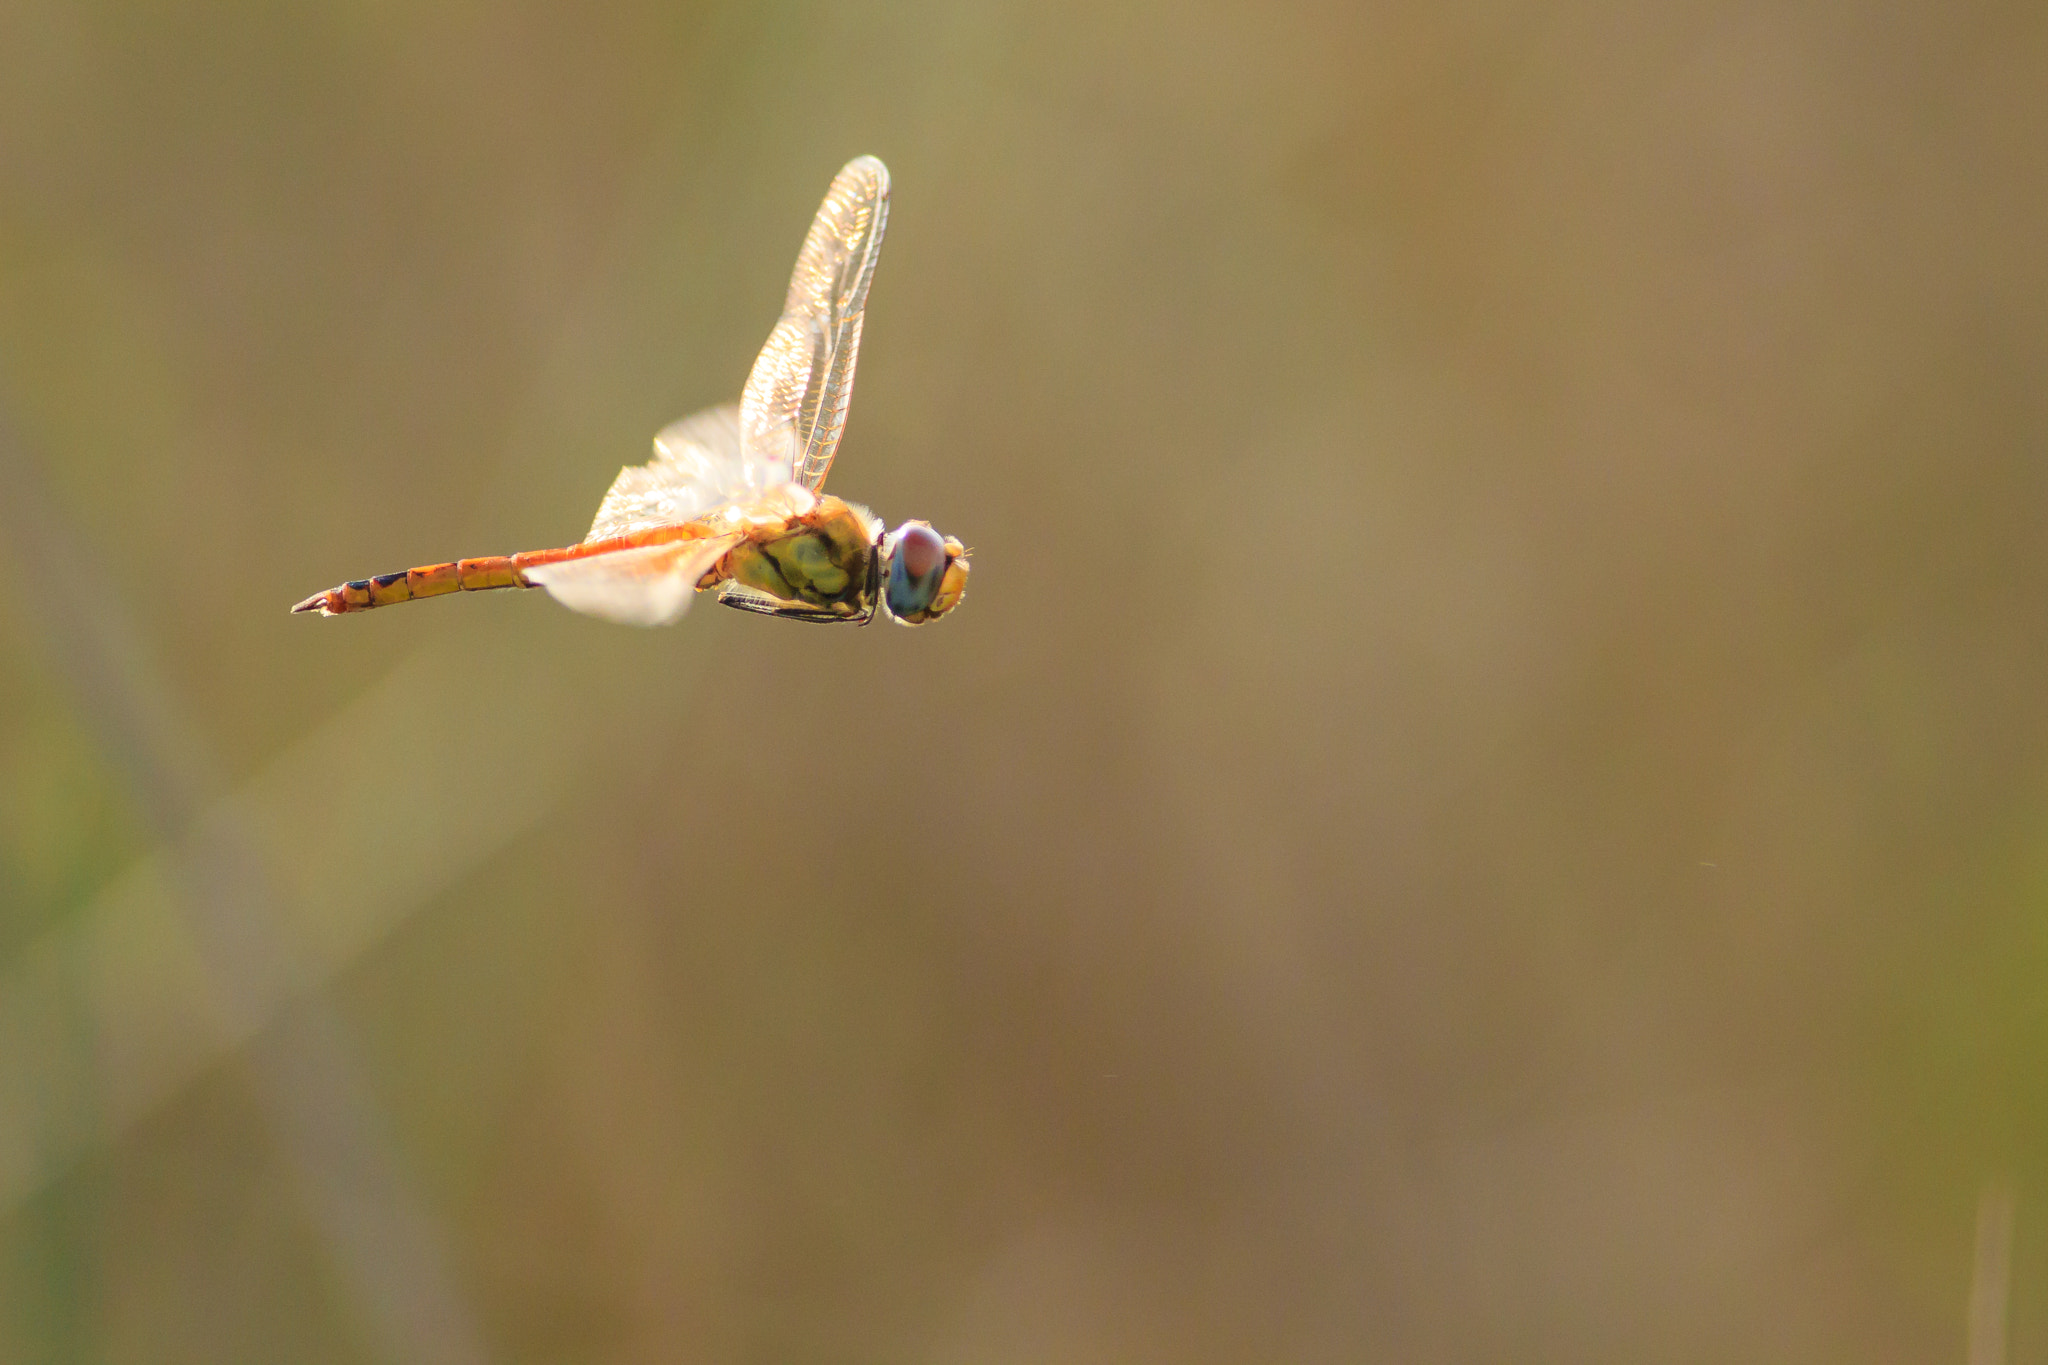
(1991, 1278)
(196, 951)
(170, 990)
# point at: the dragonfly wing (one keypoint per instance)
(697, 466)
(648, 585)
(793, 410)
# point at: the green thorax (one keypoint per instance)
(820, 561)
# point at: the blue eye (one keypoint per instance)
(916, 568)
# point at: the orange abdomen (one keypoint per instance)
(476, 575)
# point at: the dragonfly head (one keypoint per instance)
(924, 574)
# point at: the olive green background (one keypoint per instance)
(1488, 800)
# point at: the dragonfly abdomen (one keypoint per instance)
(479, 575)
(432, 580)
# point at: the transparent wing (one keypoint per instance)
(649, 585)
(698, 465)
(794, 407)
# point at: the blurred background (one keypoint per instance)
(1489, 800)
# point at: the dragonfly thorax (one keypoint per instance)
(819, 566)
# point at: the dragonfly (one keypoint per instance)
(734, 498)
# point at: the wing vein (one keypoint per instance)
(796, 399)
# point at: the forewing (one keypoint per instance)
(649, 585)
(793, 410)
(698, 465)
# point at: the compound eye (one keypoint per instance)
(916, 566)
(920, 551)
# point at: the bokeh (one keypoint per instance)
(1488, 801)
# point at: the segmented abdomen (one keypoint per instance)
(477, 575)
